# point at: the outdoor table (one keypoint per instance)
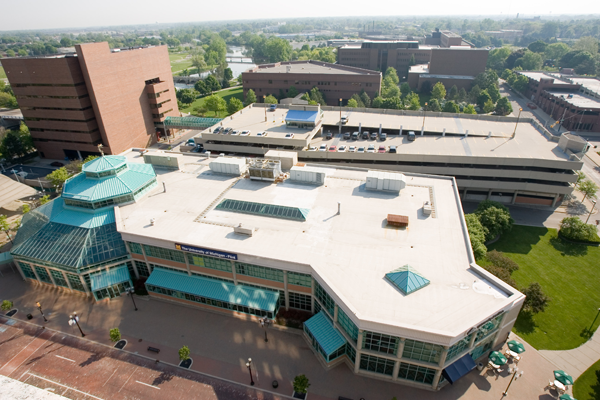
(559, 386)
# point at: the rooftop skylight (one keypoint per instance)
(266, 210)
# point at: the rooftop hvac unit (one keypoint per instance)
(162, 160)
(385, 181)
(264, 170)
(228, 165)
(308, 175)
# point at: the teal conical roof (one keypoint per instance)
(407, 279)
(104, 163)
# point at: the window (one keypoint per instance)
(209, 262)
(165, 254)
(259, 272)
(300, 301)
(27, 271)
(75, 282)
(416, 373)
(459, 347)
(347, 324)
(376, 364)
(421, 351)
(135, 248)
(178, 270)
(59, 279)
(142, 269)
(324, 298)
(296, 278)
(351, 352)
(43, 274)
(213, 277)
(380, 342)
(488, 327)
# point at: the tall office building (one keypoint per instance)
(73, 103)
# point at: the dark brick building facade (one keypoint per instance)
(76, 102)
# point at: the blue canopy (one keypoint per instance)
(108, 278)
(301, 116)
(323, 330)
(459, 368)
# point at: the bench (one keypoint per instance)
(154, 349)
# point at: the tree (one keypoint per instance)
(488, 107)
(389, 88)
(503, 107)
(452, 93)
(425, 87)
(474, 94)
(469, 109)
(587, 43)
(494, 93)
(8, 101)
(10, 53)
(115, 335)
(250, 97)
(412, 102)
(391, 73)
(270, 99)
(44, 199)
(530, 61)
(364, 97)
(405, 89)
(5, 226)
(201, 88)
(16, 143)
(555, 51)
(25, 208)
(316, 96)
(227, 74)
(199, 62)
(477, 235)
(187, 96)
(483, 98)
(520, 83)
(500, 260)
(212, 83)
(462, 95)
(392, 103)
(535, 301)
(575, 229)
(6, 305)
(301, 384)
(438, 92)
(451, 107)
(215, 103)
(412, 60)
(580, 178)
(588, 188)
(234, 105)
(277, 49)
(184, 353)
(538, 46)
(352, 103)
(359, 102)
(377, 102)
(495, 218)
(497, 58)
(486, 79)
(434, 105)
(292, 92)
(58, 177)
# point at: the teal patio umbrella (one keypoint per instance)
(497, 358)
(516, 346)
(566, 396)
(563, 377)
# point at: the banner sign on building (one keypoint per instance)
(206, 252)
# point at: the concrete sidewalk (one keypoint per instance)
(220, 346)
(576, 361)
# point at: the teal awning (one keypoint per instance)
(324, 332)
(5, 258)
(111, 277)
(214, 289)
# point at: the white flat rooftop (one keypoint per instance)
(349, 253)
(536, 76)
(577, 99)
(311, 68)
(588, 83)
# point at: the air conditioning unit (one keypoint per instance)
(385, 181)
(229, 165)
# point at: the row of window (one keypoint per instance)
(324, 298)
(209, 262)
(300, 301)
(347, 325)
(257, 271)
(106, 173)
(406, 371)
(210, 302)
(58, 276)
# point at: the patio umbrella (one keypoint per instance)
(515, 346)
(563, 377)
(498, 358)
(566, 396)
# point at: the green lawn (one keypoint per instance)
(225, 94)
(587, 386)
(568, 274)
(2, 73)
(179, 62)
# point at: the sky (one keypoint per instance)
(62, 14)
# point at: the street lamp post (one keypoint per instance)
(249, 365)
(74, 319)
(591, 211)
(517, 124)
(130, 292)
(424, 110)
(516, 375)
(551, 114)
(39, 306)
(264, 322)
(580, 120)
(265, 103)
(595, 318)
(340, 116)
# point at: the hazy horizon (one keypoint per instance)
(71, 14)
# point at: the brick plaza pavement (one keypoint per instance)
(220, 346)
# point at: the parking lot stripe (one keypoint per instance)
(147, 384)
(128, 379)
(64, 358)
(111, 375)
(65, 386)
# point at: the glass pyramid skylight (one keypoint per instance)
(407, 279)
(266, 210)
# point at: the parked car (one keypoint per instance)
(313, 148)
(365, 135)
(344, 119)
(261, 133)
(57, 164)
(352, 149)
(347, 135)
(392, 149)
(328, 135)
(236, 132)
(383, 136)
(289, 135)
(532, 106)
(332, 148)
(360, 150)
(373, 136)
(371, 149)
(382, 149)
(190, 142)
(411, 136)
(218, 129)
(226, 131)
(354, 135)
(273, 107)
(323, 147)
(342, 149)
(245, 133)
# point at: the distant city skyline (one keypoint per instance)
(69, 14)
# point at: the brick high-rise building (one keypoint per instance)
(75, 102)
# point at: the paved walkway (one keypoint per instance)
(576, 361)
(220, 346)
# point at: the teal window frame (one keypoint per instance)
(380, 342)
(27, 271)
(326, 300)
(43, 274)
(375, 364)
(281, 291)
(142, 268)
(258, 271)
(75, 282)
(59, 279)
(300, 301)
(347, 325)
(165, 254)
(298, 279)
(422, 351)
(213, 277)
(135, 248)
(488, 327)
(416, 373)
(351, 352)
(209, 262)
(458, 347)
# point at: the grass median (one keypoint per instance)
(568, 274)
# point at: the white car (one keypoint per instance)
(289, 135)
(323, 147)
(313, 148)
(361, 150)
(261, 134)
(342, 149)
(245, 133)
(352, 149)
(371, 149)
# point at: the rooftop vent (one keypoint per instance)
(240, 230)
(264, 170)
(385, 181)
(397, 220)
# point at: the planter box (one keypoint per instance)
(301, 396)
